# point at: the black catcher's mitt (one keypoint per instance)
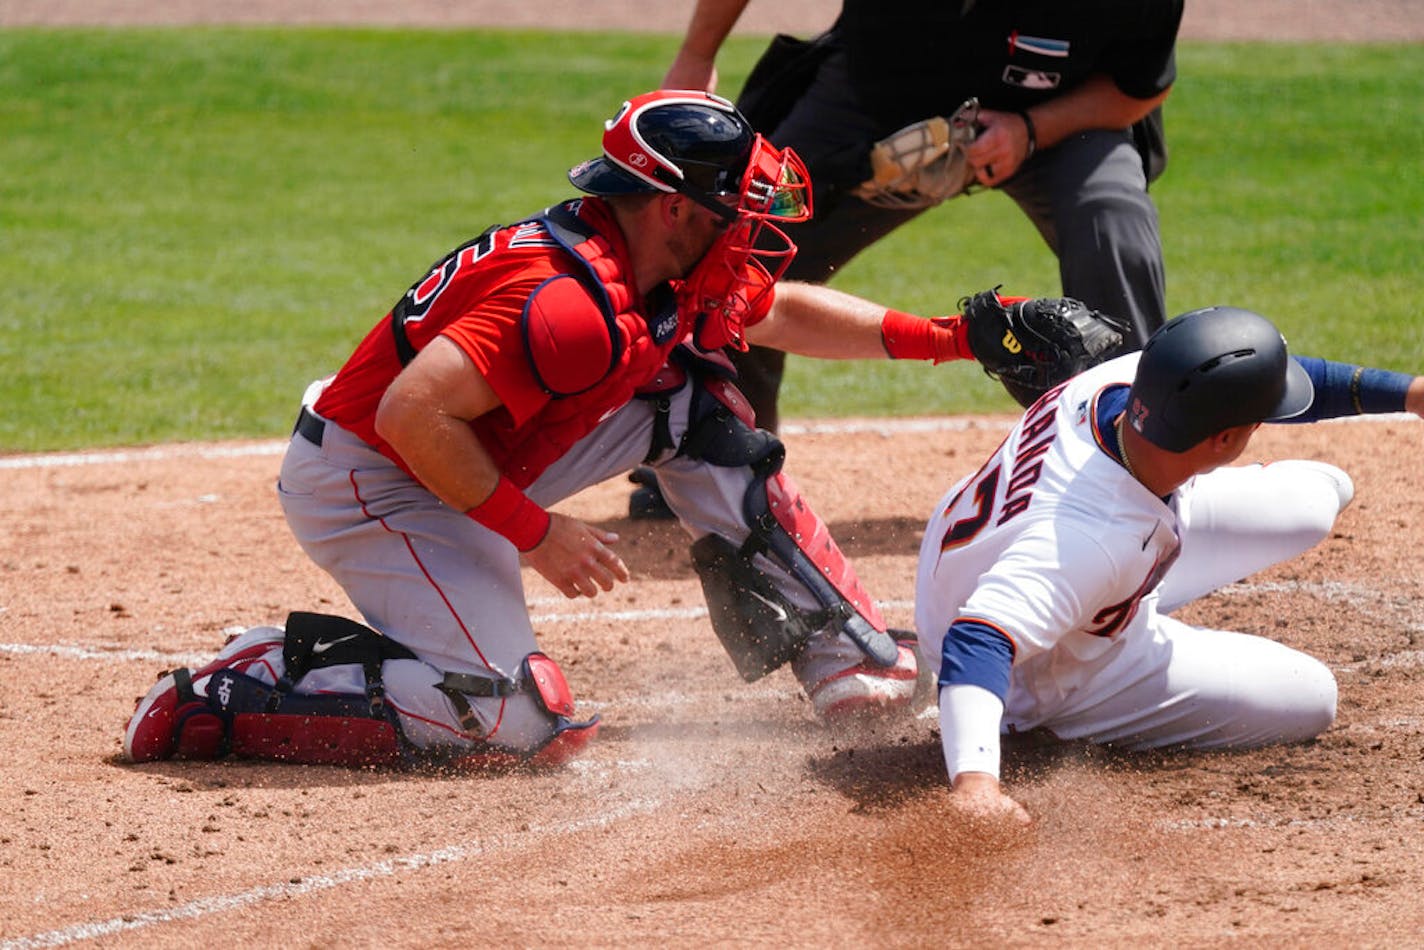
(1033, 344)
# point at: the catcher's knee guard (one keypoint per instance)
(544, 680)
(755, 623)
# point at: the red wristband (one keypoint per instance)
(508, 511)
(908, 337)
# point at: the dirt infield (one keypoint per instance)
(709, 811)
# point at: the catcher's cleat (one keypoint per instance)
(866, 689)
(172, 721)
(646, 502)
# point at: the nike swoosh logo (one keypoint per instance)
(321, 646)
(776, 608)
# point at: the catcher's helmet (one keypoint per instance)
(670, 140)
(696, 144)
(1209, 370)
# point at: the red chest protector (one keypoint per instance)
(579, 348)
(589, 342)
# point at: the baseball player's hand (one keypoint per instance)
(999, 149)
(576, 558)
(1414, 397)
(977, 796)
(689, 71)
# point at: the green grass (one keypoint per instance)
(194, 223)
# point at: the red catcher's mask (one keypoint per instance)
(753, 252)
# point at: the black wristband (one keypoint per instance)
(1032, 134)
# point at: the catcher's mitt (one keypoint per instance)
(924, 163)
(1033, 344)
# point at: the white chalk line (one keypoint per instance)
(185, 450)
(892, 426)
(72, 652)
(1358, 597)
(188, 450)
(156, 453)
(205, 906)
(79, 652)
(1331, 590)
(1206, 824)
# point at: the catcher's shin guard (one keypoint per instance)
(759, 630)
(244, 716)
(795, 535)
(785, 529)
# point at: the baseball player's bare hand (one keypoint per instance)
(576, 558)
(999, 149)
(978, 797)
(1414, 397)
(689, 71)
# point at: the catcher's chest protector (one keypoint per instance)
(589, 343)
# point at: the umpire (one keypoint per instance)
(1070, 128)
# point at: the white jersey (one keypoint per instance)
(1066, 546)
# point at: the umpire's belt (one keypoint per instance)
(311, 426)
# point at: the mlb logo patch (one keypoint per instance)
(1031, 78)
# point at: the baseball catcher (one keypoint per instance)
(1033, 344)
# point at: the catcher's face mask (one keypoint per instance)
(753, 251)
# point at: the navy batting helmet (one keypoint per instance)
(1209, 370)
(670, 140)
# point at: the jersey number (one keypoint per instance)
(965, 529)
(422, 296)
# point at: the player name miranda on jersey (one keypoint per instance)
(1038, 431)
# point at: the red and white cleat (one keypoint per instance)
(171, 721)
(174, 721)
(866, 689)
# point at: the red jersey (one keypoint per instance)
(547, 311)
